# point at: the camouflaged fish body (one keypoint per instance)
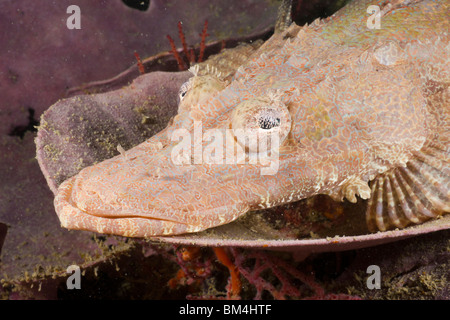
(359, 111)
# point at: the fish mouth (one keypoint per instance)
(143, 224)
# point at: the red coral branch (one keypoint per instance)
(139, 63)
(266, 272)
(191, 56)
(286, 274)
(180, 62)
(183, 40)
(203, 36)
(234, 287)
(188, 53)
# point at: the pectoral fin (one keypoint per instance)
(412, 194)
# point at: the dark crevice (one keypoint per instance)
(307, 11)
(31, 126)
(3, 231)
(141, 5)
(330, 265)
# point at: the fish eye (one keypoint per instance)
(260, 117)
(183, 90)
(197, 90)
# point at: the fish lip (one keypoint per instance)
(136, 225)
(71, 217)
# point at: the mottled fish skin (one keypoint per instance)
(356, 104)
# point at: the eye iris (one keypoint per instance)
(268, 122)
(183, 90)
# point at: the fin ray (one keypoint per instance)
(412, 194)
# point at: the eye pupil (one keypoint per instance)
(268, 123)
